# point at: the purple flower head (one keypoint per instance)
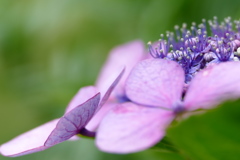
(194, 50)
(79, 112)
(171, 84)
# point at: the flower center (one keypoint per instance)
(194, 50)
(122, 98)
(178, 108)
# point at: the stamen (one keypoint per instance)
(194, 50)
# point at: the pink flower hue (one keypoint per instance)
(82, 116)
(156, 90)
(79, 112)
(127, 55)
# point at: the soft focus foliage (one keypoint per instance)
(213, 135)
(51, 48)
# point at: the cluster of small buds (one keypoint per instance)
(194, 49)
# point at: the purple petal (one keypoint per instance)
(156, 82)
(29, 142)
(110, 89)
(103, 109)
(83, 94)
(213, 86)
(96, 119)
(73, 121)
(125, 55)
(131, 128)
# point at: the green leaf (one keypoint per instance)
(214, 135)
(165, 146)
(166, 150)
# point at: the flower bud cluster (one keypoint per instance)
(195, 49)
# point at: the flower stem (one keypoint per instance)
(87, 133)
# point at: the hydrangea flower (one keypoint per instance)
(194, 72)
(86, 109)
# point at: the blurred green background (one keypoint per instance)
(51, 48)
